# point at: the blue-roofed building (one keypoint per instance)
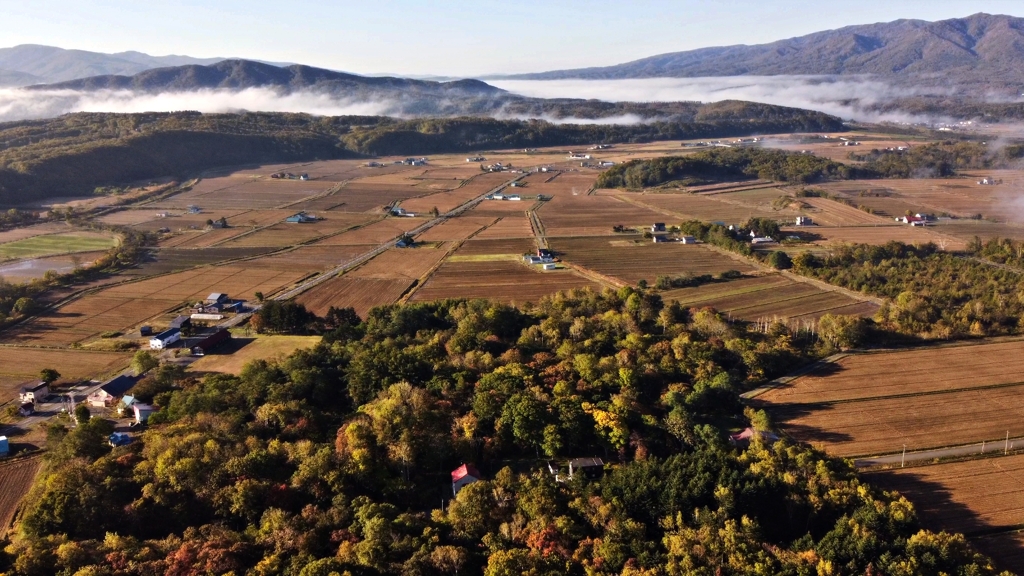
(120, 439)
(108, 393)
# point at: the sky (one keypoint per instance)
(448, 38)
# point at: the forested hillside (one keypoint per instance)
(74, 154)
(336, 460)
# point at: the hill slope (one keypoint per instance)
(975, 47)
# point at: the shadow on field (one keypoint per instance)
(231, 346)
(936, 510)
(787, 413)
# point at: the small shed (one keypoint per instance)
(120, 439)
(463, 475)
(803, 221)
(142, 412)
(743, 439)
(688, 240)
(217, 298)
(26, 409)
(658, 227)
(34, 392)
(5, 447)
(180, 322)
(550, 266)
(146, 331)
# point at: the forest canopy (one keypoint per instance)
(337, 459)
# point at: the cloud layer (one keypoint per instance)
(845, 97)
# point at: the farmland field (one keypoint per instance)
(870, 375)
(965, 497)
(359, 293)
(879, 234)
(458, 228)
(882, 426)
(631, 258)
(445, 201)
(771, 296)
(15, 480)
(499, 280)
(507, 227)
(27, 269)
(61, 243)
(1006, 548)
(30, 231)
(479, 246)
(708, 208)
(231, 357)
(375, 233)
(382, 280)
(21, 365)
(289, 234)
(364, 196)
(127, 305)
(568, 215)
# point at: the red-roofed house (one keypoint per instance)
(463, 475)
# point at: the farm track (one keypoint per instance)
(325, 276)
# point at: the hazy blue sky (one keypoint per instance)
(447, 37)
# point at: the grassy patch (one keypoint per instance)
(51, 244)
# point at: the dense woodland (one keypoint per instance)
(931, 293)
(336, 460)
(724, 164)
(76, 153)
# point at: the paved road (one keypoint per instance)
(996, 447)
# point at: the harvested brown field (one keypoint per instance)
(883, 426)
(179, 220)
(254, 192)
(569, 215)
(375, 233)
(707, 208)
(828, 212)
(359, 293)
(380, 281)
(363, 196)
(984, 229)
(481, 246)
(501, 208)
(20, 365)
(127, 305)
(768, 297)
(448, 200)
(284, 234)
(165, 260)
(561, 183)
(312, 258)
(507, 227)
(823, 235)
(858, 376)
(962, 197)
(964, 497)
(16, 479)
(458, 228)
(499, 280)
(631, 258)
(130, 217)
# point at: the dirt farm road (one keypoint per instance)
(1006, 445)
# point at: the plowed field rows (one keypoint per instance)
(456, 229)
(568, 215)
(507, 227)
(445, 201)
(1007, 549)
(289, 234)
(359, 293)
(363, 196)
(831, 213)
(243, 190)
(15, 480)
(882, 426)
(478, 246)
(707, 208)
(375, 233)
(630, 261)
(870, 375)
(502, 280)
(963, 497)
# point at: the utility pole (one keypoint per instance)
(903, 460)
(1006, 446)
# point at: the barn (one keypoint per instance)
(165, 339)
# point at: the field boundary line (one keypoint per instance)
(419, 282)
(595, 276)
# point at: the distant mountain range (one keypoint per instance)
(28, 64)
(980, 47)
